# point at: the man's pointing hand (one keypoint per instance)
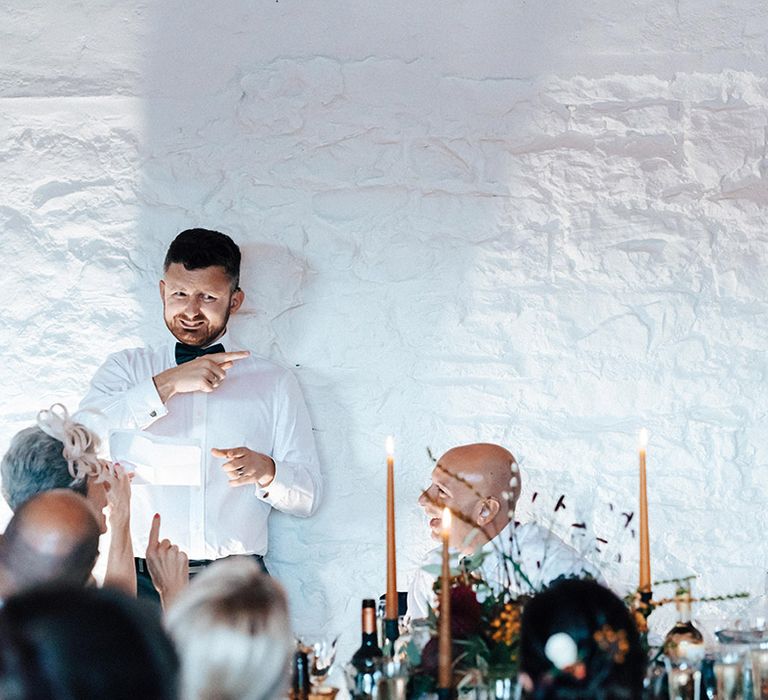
(204, 373)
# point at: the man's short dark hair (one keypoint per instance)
(197, 248)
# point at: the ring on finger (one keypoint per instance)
(240, 471)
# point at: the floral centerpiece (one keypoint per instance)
(485, 628)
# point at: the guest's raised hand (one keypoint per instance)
(120, 570)
(204, 373)
(168, 566)
(244, 466)
(118, 493)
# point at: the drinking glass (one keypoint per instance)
(729, 673)
(421, 633)
(759, 657)
(393, 679)
(472, 686)
(684, 679)
(323, 657)
(655, 681)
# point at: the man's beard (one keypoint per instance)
(194, 338)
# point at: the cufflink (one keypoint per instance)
(153, 414)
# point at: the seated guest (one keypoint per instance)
(52, 537)
(232, 633)
(61, 453)
(480, 483)
(579, 641)
(68, 643)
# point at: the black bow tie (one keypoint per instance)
(186, 353)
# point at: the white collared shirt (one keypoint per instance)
(541, 555)
(259, 405)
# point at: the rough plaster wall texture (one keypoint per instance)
(535, 224)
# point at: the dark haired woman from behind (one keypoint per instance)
(67, 643)
(578, 640)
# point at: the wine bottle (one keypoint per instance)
(364, 659)
(684, 641)
(300, 677)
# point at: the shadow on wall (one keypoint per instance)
(273, 279)
(362, 172)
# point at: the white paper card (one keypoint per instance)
(157, 460)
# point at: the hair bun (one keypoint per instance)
(79, 444)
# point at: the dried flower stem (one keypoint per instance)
(678, 580)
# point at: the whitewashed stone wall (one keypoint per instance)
(535, 223)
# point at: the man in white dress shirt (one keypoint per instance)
(480, 483)
(246, 414)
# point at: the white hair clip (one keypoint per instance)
(80, 444)
(561, 650)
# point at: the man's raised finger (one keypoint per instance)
(154, 531)
(229, 453)
(221, 357)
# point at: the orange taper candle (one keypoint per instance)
(645, 549)
(391, 609)
(445, 660)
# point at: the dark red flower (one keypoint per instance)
(465, 612)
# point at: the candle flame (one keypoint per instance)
(446, 520)
(642, 439)
(389, 445)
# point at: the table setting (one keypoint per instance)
(467, 647)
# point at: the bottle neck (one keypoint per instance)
(369, 626)
(684, 609)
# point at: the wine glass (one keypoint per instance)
(323, 657)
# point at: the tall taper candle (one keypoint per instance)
(444, 673)
(645, 549)
(391, 609)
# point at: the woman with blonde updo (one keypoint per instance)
(59, 452)
(232, 633)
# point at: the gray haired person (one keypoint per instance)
(59, 452)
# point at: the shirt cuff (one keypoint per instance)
(145, 403)
(279, 486)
